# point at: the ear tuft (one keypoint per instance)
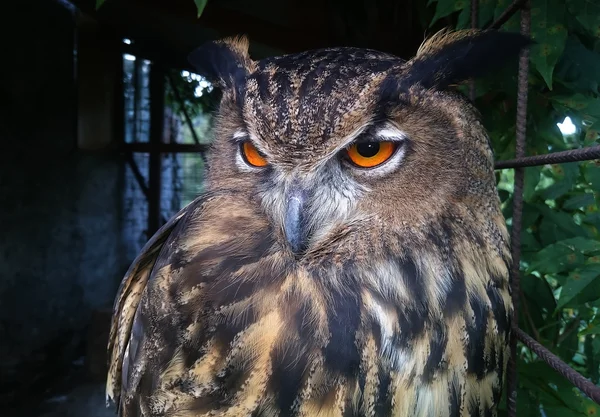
(442, 38)
(225, 62)
(450, 57)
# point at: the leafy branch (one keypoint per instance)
(560, 264)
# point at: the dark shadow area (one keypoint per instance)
(89, 168)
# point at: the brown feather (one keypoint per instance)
(399, 306)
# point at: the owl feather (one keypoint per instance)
(349, 257)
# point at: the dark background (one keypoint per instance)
(73, 213)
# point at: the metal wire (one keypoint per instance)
(521, 136)
(561, 367)
(574, 155)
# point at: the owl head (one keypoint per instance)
(336, 141)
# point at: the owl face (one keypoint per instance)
(343, 139)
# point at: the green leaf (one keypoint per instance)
(559, 226)
(579, 201)
(540, 298)
(578, 67)
(591, 173)
(590, 330)
(447, 7)
(563, 256)
(549, 31)
(596, 346)
(529, 243)
(557, 394)
(582, 244)
(587, 12)
(558, 189)
(592, 219)
(577, 282)
(513, 23)
(589, 296)
(537, 317)
(532, 178)
(486, 11)
(531, 214)
(589, 106)
(556, 258)
(568, 347)
(200, 5)
(464, 19)
(590, 408)
(565, 176)
(99, 3)
(545, 133)
(592, 362)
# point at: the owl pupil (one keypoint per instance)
(368, 149)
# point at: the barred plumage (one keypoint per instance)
(313, 287)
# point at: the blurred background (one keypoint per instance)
(103, 129)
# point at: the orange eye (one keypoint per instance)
(371, 154)
(252, 155)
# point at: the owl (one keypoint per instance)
(349, 256)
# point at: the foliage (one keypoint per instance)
(190, 93)
(200, 5)
(560, 265)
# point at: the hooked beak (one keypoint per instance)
(295, 225)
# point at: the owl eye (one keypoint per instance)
(371, 154)
(252, 156)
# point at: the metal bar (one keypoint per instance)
(188, 119)
(587, 387)
(137, 174)
(137, 91)
(574, 155)
(506, 15)
(521, 136)
(139, 178)
(165, 147)
(157, 115)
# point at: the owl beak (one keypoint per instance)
(295, 227)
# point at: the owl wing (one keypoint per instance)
(127, 301)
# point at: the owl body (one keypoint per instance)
(349, 257)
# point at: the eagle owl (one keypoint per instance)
(349, 256)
